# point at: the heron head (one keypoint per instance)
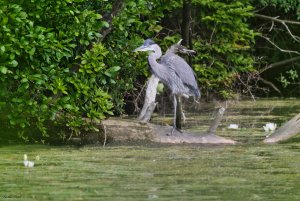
(178, 48)
(182, 49)
(148, 45)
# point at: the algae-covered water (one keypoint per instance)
(249, 170)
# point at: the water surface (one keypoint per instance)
(249, 170)
(241, 172)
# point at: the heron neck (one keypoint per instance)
(156, 54)
(156, 68)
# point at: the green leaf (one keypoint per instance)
(13, 63)
(3, 69)
(65, 99)
(68, 106)
(24, 80)
(155, 28)
(114, 68)
(105, 24)
(2, 49)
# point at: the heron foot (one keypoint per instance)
(172, 131)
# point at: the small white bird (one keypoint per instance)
(27, 163)
(233, 126)
(270, 127)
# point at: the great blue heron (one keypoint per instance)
(177, 47)
(173, 71)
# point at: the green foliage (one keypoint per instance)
(223, 45)
(55, 71)
(39, 43)
(288, 77)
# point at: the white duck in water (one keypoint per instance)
(28, 163)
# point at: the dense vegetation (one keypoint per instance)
(277, 50)
(64, 60)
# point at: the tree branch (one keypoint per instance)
(296, 38)
(283, 22)
(282, 50)
(280, 63)
(247, 87)
(270, 84)
(276, 19)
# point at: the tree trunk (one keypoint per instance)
(186, 38)
(186, 20)
(286, 131)
(186, 32)
(149, 103)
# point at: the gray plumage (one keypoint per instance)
(183, 76)
(172, 70)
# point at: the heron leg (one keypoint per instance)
(175, 107)
(179, 113)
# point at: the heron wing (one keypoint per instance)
(182, 69)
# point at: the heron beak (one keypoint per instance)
(190, 52)
(184, 50)
(140, 49)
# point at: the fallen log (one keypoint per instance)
(286, 131)
(217, 120)
(125, 130)
(120, 130)
(128, 130)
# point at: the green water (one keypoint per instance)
(152, 173)
(249, 170)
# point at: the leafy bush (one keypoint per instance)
(39, 69)
(223, 44)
